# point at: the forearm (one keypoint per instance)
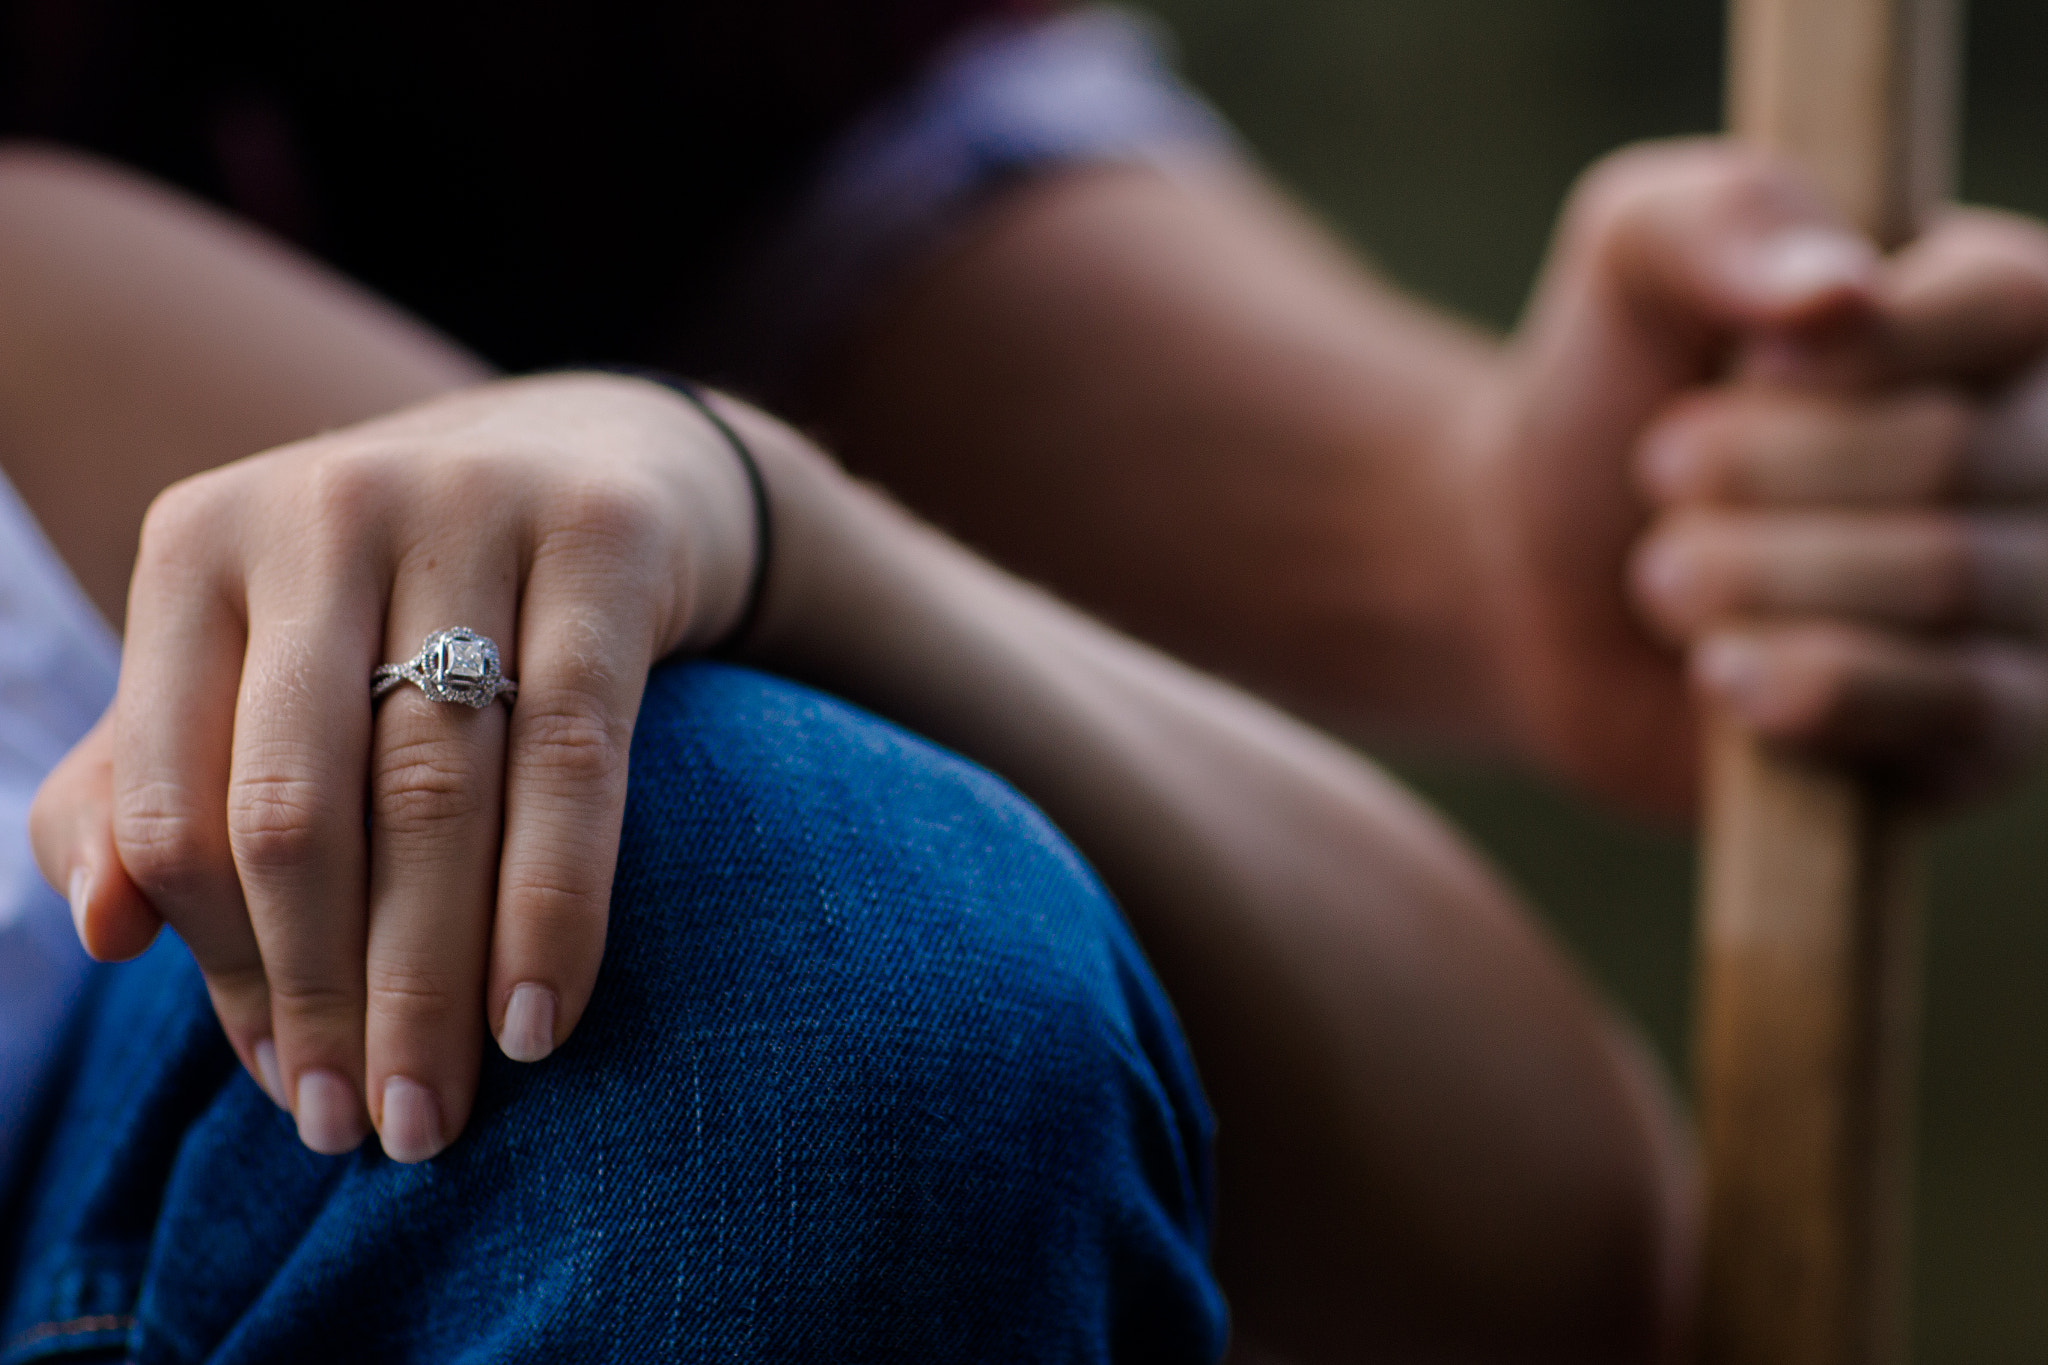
(1425, 1117)
(1184, 407)
(144, 338)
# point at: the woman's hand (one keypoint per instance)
(352, 880)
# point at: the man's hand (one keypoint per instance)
(1729, 436)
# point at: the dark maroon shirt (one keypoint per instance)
(550, 182)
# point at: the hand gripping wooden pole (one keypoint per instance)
(1809, 975)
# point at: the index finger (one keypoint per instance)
(172, 726)
(1968, 301)
(71, 829)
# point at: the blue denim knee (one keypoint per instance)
(874, 1071)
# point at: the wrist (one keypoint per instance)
(803, 500)
(1429, 541)
(713, 544)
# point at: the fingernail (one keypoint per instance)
(81, 895)
(267, 1074)
(529, 1032)
(1802, 263)
(1733, 669)
(330, 1120)
(412, 1121)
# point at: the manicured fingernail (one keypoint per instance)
(412, 1121)
(267, 1074)
(1802, 263)
(1733, 669)
(529, 1032)
(330, 1119)
(81, 895)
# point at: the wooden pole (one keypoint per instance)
(1810, 964)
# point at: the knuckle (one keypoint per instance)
(276, 821)
(1731, 450)
(1620, 194)
(300, 995)
(570, 742)
(47, 834)
(1717, 557)
(344, 488)
(607, 517)
(466, 478)
(169, 852)
(1612, 191)
(243, 984)
(1997, 265)
(2018, 242)
(550, 906)
(424, 786)
(179, 523)
(1624, 174)
(416, 990)
(1683, 458)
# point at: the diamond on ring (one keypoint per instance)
(456, 665)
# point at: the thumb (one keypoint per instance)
(71, 829)
(1670, 255)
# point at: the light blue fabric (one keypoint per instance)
(58, 663)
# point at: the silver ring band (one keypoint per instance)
(455, 665)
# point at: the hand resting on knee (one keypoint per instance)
(1327, 942)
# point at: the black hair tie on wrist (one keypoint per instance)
(764, 521)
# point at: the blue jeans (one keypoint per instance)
(874, 1072)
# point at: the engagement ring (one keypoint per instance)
(455, 665)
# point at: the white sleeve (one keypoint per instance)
(58, 663)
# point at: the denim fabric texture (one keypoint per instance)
(874, 1072)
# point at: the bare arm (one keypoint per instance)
(1182, 405)
(144, 337)
(1432, 1137)
(1431, 1133)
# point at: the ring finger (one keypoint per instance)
(436, 800)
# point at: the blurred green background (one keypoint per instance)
(1440, 137)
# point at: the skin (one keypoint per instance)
(1329, 946)
(1180, 405)
(128, 312)
(1337, 941)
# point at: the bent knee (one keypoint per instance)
(800, 853)
(850, 972)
